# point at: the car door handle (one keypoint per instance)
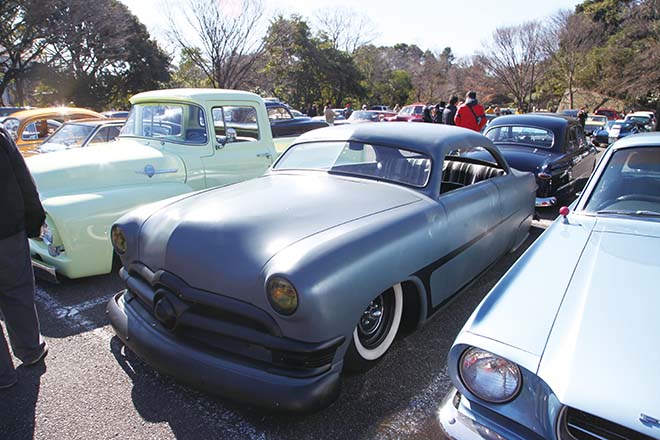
(266, 155)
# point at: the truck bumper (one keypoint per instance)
(227, 377)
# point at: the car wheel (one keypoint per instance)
(375, 331)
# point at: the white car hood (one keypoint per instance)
(602, 354)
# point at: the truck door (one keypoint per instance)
(241, 147)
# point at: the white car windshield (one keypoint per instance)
(630, 185)
(71, 135)
(359, 159)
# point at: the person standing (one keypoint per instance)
(439, 112)
(348, 110)
(22, 217)
(329, 114)
(471, 114)
(582, 116)
(450, 111)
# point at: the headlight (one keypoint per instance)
(118, 240)
(282, 296)
(489, 377)
(11, 125)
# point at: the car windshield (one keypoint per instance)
(359, 159)
(522, 135)
(638, 118)
(630, 185)
(411, 109)
(71, 135)
(181, 123)
(364, 116)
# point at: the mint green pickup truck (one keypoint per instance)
(174, 142)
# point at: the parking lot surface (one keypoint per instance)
(91, 387)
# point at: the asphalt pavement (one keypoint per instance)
(91, 387)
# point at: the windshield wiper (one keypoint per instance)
(638, 213)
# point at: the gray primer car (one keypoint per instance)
(575, 356)
(263, 291)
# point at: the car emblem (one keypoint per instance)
(649, 421)
(149, 171)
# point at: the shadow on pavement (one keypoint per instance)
(18, 403)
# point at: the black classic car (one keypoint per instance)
(551, 146)
(284, 124)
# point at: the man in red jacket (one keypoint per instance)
(471, 114)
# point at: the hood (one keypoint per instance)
(122, 162)
(220, 240)
(50, 147)
(532, 292)
(602, 355)
(525, 158)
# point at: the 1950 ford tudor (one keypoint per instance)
(263, 291)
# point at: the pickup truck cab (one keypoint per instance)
(174, 142)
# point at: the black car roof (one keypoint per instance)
(552, 121)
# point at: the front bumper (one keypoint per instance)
(458, 421)
(224, 375)
(546, 202)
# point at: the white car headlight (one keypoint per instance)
(489, 377)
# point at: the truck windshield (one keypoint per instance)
(176, 122)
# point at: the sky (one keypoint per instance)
(430, 24)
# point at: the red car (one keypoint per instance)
(611, 114)
(409, 113)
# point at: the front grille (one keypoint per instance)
(579, 425)
(228, 327)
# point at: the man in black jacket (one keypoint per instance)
(22, 217)
(450, 111)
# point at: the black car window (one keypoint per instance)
(279, 113)
(572, 141)
(522, 135)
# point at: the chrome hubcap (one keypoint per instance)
(372, 317)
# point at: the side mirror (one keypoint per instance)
(231, 135)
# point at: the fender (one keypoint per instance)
(82, 224)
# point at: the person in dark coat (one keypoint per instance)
(426, 114)
(439, 112)
(450, 111)
(22, 217)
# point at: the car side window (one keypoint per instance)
(242, 119)
(39, 130)
(467, 166)
(105, 134)
(279, 113)
(572, 142)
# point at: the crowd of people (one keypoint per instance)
(467, 114)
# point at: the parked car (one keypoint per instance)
(382, 108)
(284, 124)
(594, 123)
(6, 111)
(601, 137)
(264, 291)
(81, 133)
(174, 142)
(551, 146)
(609, 112)
(573, 356)
(572, 112)
(621, 129)
(650, 114)
(359, 116)
(116, 114)
(29, 128)
(643, 121)
(409, 113)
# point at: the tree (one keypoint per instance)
(226, 39)
(566, 42)
(99, 55)
(22, 40)
(344, 28)
(189, 74)
(512, 58)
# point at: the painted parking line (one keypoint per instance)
(72, 316)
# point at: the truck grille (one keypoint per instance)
(579, 425)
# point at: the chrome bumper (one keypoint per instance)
(545, 202)
(44, 271)
(458, 422)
